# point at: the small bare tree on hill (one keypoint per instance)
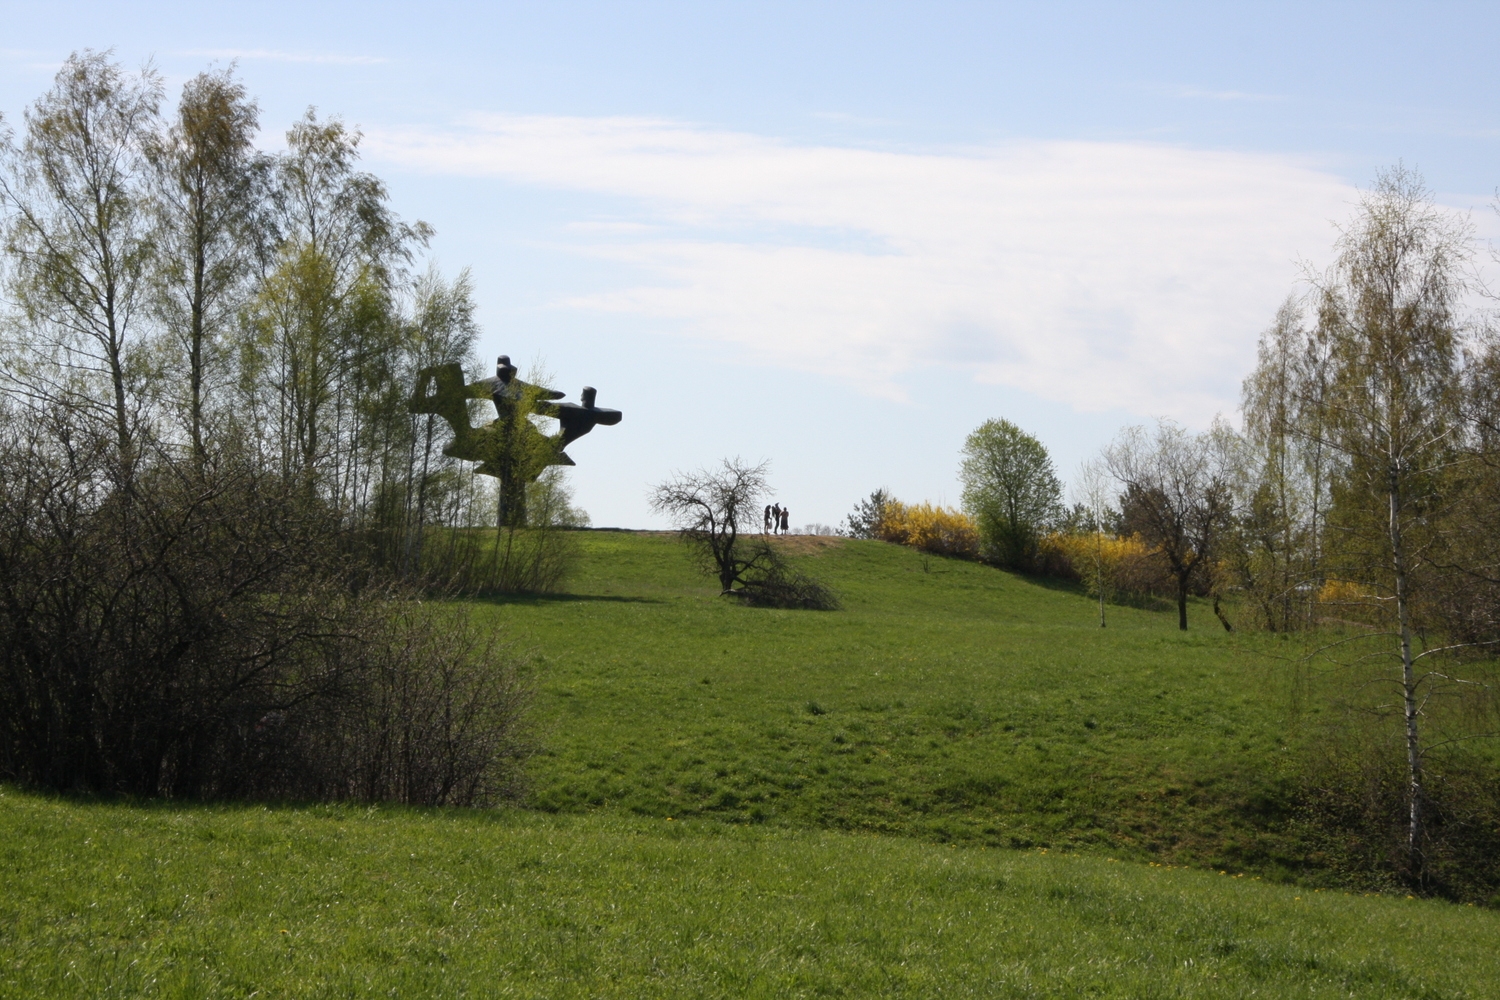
(712, 508)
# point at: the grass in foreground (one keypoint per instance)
(103, 900)
(947, 701)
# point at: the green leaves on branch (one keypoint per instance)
(1010, 490)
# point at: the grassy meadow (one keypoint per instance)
(947, 700)
(166, 901)
(959, 785)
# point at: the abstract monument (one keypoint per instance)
(510, 447)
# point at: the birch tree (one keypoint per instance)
(79, 236)
(1093, 490)
(324, 311)
(1282, 473)
(1388, 312)
(205, 201)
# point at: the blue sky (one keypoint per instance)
(839, 236)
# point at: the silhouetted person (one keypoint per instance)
(776, 519)
(766, 522)
(786, 516)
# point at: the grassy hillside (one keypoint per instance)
(205, 902)
(948, 700)
(737, 802)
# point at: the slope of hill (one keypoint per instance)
(737, 802)
(948, 700)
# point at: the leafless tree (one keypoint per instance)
(716, 511)
(711, 508)
(1093, 490)
(1177, 497)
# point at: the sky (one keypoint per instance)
(838, 237)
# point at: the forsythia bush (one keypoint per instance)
(1130, 565)
(940, 530)
(1343, 601)
(1342, 592)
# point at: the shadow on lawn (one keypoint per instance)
(506, 812)
(535, 599)
(1142, 602)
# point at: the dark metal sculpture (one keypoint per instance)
(510, 447)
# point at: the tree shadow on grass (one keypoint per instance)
(542, 599)
(1141, 602)
(504, 811)
(1056, 583)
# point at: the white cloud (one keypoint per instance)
(1098, 274)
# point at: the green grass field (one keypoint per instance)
(948, 701)
(956, 786)
(116, 901)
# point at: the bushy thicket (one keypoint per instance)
(1127, 569)
(481, 561)
(774, 584)
(192, 629)
(940, 530)
(216, 509)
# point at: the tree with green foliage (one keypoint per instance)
(1388, 312)
(194, 295)
(206, 204)
(864, 520)
(324, 322)
(1274, 552)
(1010, 490)
(80, 240)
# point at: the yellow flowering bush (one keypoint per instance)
(940, 530)
(1343, 592)
(1344, 601)
(1130, 565)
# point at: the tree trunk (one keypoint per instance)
(415, 539)
(1408, 684)
(114, 348)
(1223, 618)
(1099, 573)
(196, 333)
(1182, 589)
(726, 564)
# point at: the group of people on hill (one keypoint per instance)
(777, 521)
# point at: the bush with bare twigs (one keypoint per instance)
(176, 629)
